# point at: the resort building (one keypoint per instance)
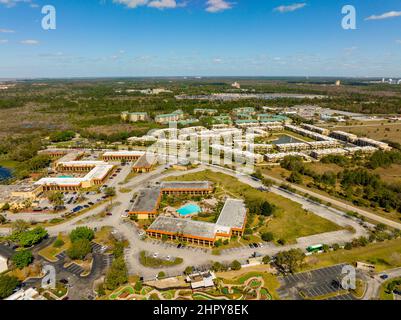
(286, 147)
(277, 157)
(207, 112)
(344, 136)
(146, 203)
(78, 166)
(122, 155)
(313, 128)
(363, 142)
(171, 117)
(145, 163)
(95, 177)
(18, 196)
(134, 116)
(231, 223)
(319, 154)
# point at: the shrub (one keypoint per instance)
(22, 259)
(58, 243)
(82, 233)
(79, 249)
(267, 236)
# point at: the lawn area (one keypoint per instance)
(50, 252)
(151, 262)
(377, 131)
(290, 221)
(384, 293)
(391, 174)
(240, 277)
(9, 164)
(104, 236)
(384, 255)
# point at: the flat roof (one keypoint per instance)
(196, 185)
(146, 200)
(184, 226)
(232, 215)
(123, 153)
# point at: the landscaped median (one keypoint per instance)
(154, 262)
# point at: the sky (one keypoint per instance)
(135, 38)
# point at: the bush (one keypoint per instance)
(235, 265)
(58, 243)
(7, 285)
(79, 249)
(161, 275)
(267, 236)
(138, 286)
(30, 237)
(266, 259)
(117, 275)
(22, 259)
(82, 233)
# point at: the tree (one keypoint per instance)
(117, 275)
(295, 177)
(3, 219)
(57, 198)
(80, 233)
(5, 207)
(266, 209)
(290, 261)
(161, 275)
(235, 265)
(189, 270)
(29, 238)
(79, 249)
(7, 285)
(266, 259)
(22, 259)
(267, 236)
(138, 286)
(58, 243)
(19, 226)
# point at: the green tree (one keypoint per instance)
(161, 275)
(267, 236)
(290, 261)
(79, 249)
(7, 285)
(117, 275)
(80, 233)
(22, 259)
(189, 270)
(235, 265)
(138, 286)
(29, 238)
(5, 207)
(57, 198)
(266, 259)
(266, 209)
(3, 219)
(58, 243)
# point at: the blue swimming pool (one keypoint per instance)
(189, 209)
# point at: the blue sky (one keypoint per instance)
(109, 38)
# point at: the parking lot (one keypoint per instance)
(312, 284)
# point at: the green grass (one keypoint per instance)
(8, 164)
(384, 255)
(151, 262)
(290, 221)
(384, 294)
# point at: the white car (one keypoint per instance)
(155, 255)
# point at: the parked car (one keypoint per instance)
(384, 277)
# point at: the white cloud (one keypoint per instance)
(3, 41)
(162, 4)
(290, 8)
(6, 31)
(12, 3)
(387, 15)
(158, 4)
(30, 42)
(217, 5)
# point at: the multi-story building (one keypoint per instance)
(171, 117)
(147, 201)
(344, 136)
(122, 155)
(206, 112)
(231, 222)
(366, 142)
(134, 116)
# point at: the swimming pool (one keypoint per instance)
(189, 209)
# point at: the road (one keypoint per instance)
(338, 203)
(196, 256)
(374, 284)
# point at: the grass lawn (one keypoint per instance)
(290, 221)
(8, 164)
(384, 255)
(271, 282)
(384, 295)
(151, 262)
(104, 237)
(50, 252)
